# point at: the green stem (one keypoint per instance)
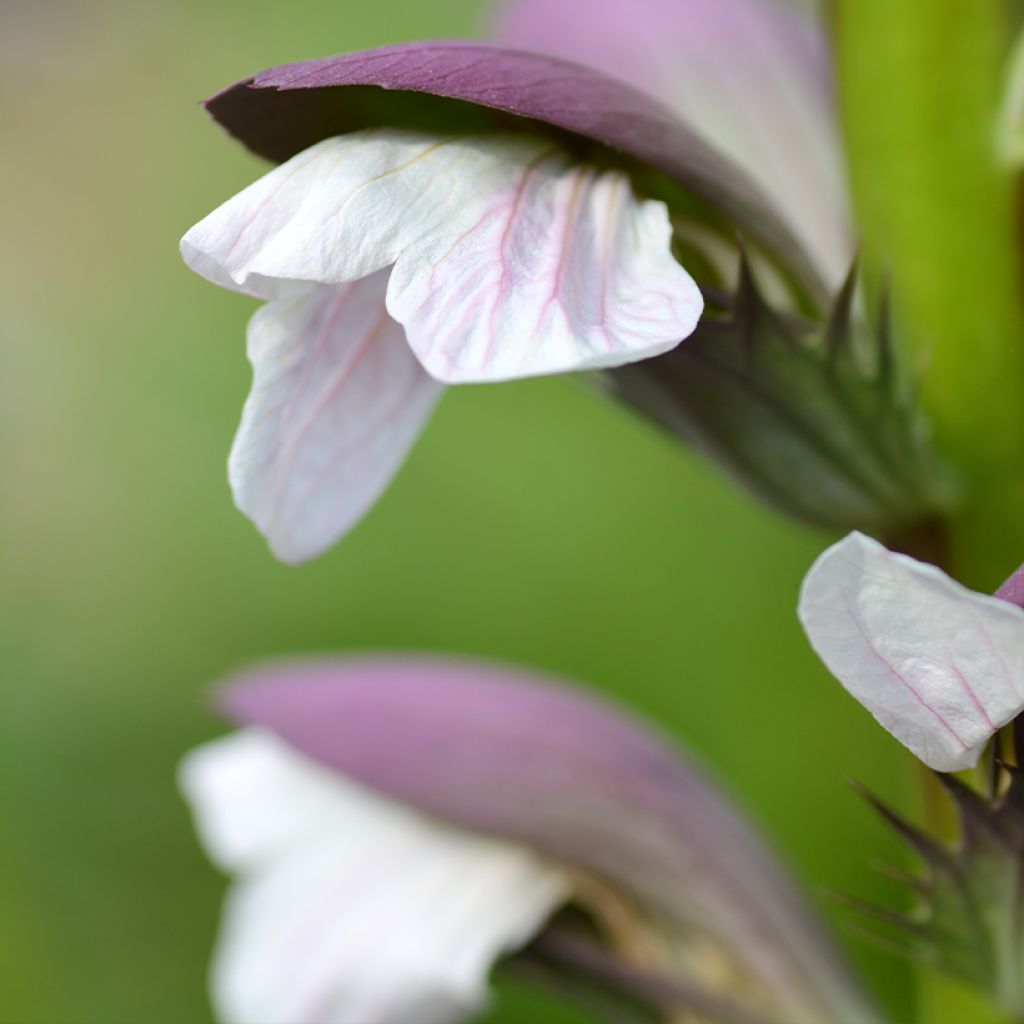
(920, 85)
(942, 1001)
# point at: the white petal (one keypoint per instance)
(511, 260)
(337, 401)
(563, 270)
(940, 666)
(352, 908)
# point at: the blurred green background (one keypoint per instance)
(533, 522)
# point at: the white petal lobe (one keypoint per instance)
(563, 269)
(940, 666)
(351, 907)
(337, 401)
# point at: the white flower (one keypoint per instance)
(348, 906)
(393, 262)
(940, 666)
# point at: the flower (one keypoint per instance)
(939, 666)
(752, 77)
(447, 213)
(395, 261)
(395, 826)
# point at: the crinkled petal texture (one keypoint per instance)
(349, 907)
(751, 76)
(509, 259)
(337, 400)
(940, 666)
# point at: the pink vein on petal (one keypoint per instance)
(503, 276)
(338, 307)
(279, 185)
(337, 381)
(969, 690)
(892, 668)
(614, 203)
(580, 174)
(996, 653)
(387, 417)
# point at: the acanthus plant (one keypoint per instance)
(657, 198)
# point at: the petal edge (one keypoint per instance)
(939, 666)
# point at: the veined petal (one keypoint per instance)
(337, 400)
(751, 76)
(509, 260)
(940, 666)
(351, 907)
(510, 755)
(563, 268)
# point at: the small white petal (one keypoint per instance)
(337, 401)
(352, 908)
(940, 666)
(510, 261)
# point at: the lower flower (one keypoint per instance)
(398, 826)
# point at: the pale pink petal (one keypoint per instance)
(752, 76)
(940, 666)
(564, 269)
(337, 401)
(350, 907)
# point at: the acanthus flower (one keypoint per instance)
(396, 826)
(393, 262)
(444, 213)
